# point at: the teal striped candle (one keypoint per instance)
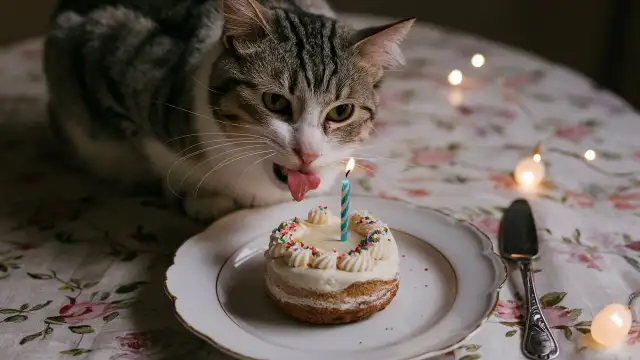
(344, 203)
(344, 210)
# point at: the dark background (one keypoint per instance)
(600, 38)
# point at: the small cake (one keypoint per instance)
(315, 277)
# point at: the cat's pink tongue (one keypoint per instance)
(301, 183)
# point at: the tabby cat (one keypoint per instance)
(231, 103)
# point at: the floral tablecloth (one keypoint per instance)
(81, 268)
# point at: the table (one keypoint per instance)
(81, 268)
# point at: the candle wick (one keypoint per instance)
(347, 174)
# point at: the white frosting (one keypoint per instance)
(319, 215)
(377, 297)
(277, 250)
(326, 261)
(300, 258)
(357, 262)
(309, 254)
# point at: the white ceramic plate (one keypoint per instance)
(449, 283)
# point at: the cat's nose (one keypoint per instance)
(307, 157)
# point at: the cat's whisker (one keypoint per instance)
(203, 85)
(237, 184)
(226, 144)
(365, 169)
(196, 153)
(204, 116)
(374, 158)
(226, 162)
(216, 133)
(186, 176)
(184, 158)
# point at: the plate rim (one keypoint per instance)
(486, 240)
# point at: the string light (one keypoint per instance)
(611, 325)
(590, 155)
(478, 60)
(455, 77)
(530, 171)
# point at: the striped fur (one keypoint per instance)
(148, 90)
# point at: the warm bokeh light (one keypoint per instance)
(455, 77)
(611, 325)
(590, 155)
(529, 173)
(537, 157)
(478, 60)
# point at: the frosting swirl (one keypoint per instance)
(319, 215)
(300, 257)
(357, 262)
(277, 250)
(378, 249)
(325, 261)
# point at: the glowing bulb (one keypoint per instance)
(537, 157)
(529, 172)
(455, 97)
(590, 155)
(477, 60)
(455, 77)
(611, 325)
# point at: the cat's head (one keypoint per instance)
(306, 82)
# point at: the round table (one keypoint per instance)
(81, 269)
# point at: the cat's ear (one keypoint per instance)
(245, 20)
(380, 46)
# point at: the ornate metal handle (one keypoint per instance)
(538, 342)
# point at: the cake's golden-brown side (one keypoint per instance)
(385, 292)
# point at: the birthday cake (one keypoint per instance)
(315, 277)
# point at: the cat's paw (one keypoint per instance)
(209, 208)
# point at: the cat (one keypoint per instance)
(231, 103)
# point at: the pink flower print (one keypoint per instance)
(385, 195)
(590, 260)
(628, 201)
(136, 342)
(76, 313)
(431, 157)
(489, 111)
(511, 311)
(508, 310)
(634, 246)
(559, 316)
(633, 337)
(417, 192)
(577, 199)
(503, 181)
(588, 251)
(573, 132)
(488, 225)
(448, 356)
(636, 156)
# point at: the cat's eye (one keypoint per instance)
(341, 113)
(276, 102)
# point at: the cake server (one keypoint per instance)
(518, 240)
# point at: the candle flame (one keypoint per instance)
(350, 165)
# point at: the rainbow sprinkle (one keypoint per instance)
(284, 232)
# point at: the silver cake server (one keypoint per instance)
(518, 240)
